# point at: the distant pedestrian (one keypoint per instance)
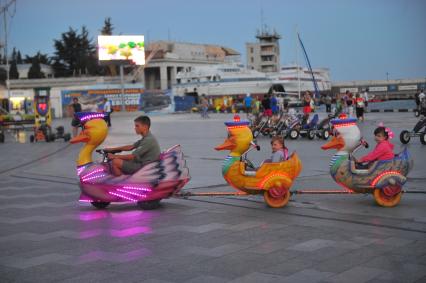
(359, 107)
(280, 99)
(307, 103)
(274, 105)
(248, 100)
(204, 107)
(256, 106)
(75, 108)
(266, 104)
(327, 101)
(366, 98)
(107, 109)
(349, 104)
(416, 99)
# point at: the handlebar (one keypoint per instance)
(105, 151)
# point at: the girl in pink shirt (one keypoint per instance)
(383, 149)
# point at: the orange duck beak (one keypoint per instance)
(336, 142)
(228, 144)
(82, 137)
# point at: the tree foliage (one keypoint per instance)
(35, 70)
(107, 28)
(75, 54)
(13, 71)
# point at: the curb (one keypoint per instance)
(391, 110)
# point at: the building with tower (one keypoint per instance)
(264, 55)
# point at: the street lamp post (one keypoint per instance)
(387, 85)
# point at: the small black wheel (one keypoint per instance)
(311, 135)
(32, 138)
(325, 134)
(67, 137)
(1, 138)
(52, 137)
(149, 205)
(100, 204)
(423, 138)
(294, 134)
(404, 137)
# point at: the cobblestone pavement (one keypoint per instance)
(47, 236)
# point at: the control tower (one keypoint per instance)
(264, 55)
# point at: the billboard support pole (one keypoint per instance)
(123, 107)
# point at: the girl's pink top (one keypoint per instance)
(382, 151)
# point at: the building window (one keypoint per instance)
(251, 50)
(251, 59)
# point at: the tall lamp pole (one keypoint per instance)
(3, 10)
(387, 85)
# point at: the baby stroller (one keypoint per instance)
(419, 130)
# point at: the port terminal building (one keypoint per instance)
(381, 89)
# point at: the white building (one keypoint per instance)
(170, 57)
(23, 70)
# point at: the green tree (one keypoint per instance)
(75, 54)
(35, 69)
(19, 58)
(13, 71)
(107, 28)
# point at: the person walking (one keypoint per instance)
(359, 107)
(75, 108)
(366, 98)
(327, 101)
(204, 107)
(107, 109)
(266, 104)
(248, 100)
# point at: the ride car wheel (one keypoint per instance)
(294, 134)
(100, 204)
(149, 205)
(325, 134)
(389, 196)
(311, 135)
(404, 137)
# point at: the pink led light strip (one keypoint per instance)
(121, 196)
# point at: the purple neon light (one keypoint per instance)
(121, 196)
(137, 188)
(92, 116)
(93, 172)
(93, 177)
(131, 193)
(80, 170)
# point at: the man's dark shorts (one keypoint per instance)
(130, 167)
(75, 122)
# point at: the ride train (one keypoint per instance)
(167, 176)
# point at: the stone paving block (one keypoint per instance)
(218, 251)
(405, 272)
(307, 276)
(23, 263)
(312, 245)
(357, 274)
(207, 279)
(294, 264)
(268, 247)
(395, 242)
(256, 277)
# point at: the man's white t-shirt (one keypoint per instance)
(107, 107)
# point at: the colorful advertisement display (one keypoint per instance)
(135, 99)
(122, 47)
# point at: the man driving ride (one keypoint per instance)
(144, 151)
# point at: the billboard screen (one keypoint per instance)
(122, 47)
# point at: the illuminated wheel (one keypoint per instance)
(404, 137)
(277, 193)
(389, 196)
(100, 204)
(149, 205)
